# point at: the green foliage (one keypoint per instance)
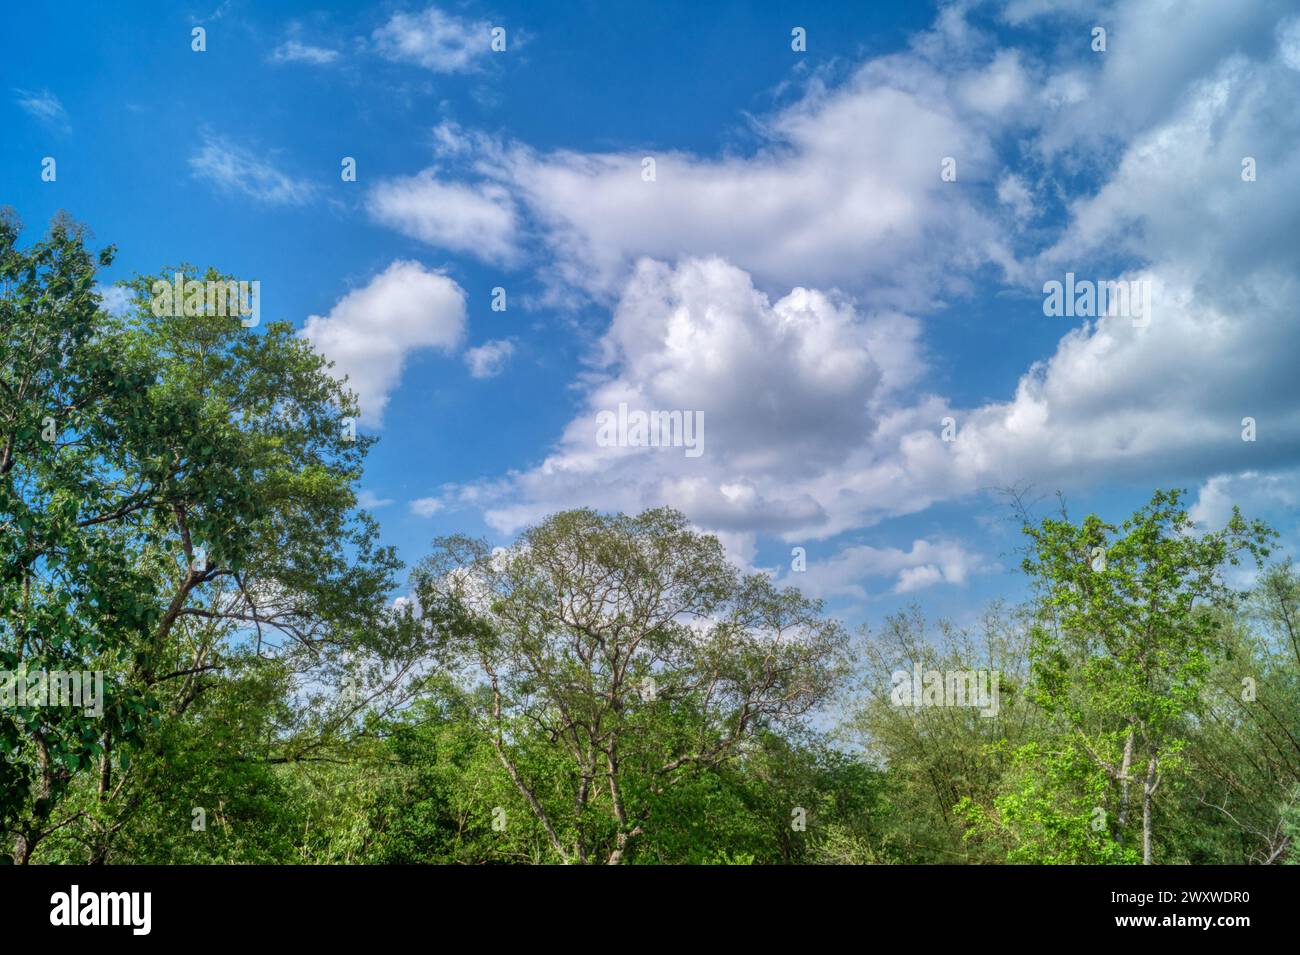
(1129, 622)
(173, 491)
(1048, 811)
(939, 757)
(635, 649)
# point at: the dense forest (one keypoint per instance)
(178, 512)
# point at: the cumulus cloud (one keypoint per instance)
(1169, 198)
(843, 188)
(369, 332)
(1150, 64)
(434, 40)
(924, 564)
(1252, 491)
(822, 414)
(997, 88)
(1255, 493)
(1013, 192)
(488, 360)
(785, 390)
(479, 219)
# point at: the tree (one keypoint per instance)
(940, 758)
(633, 650)
(175, 493)
(1245, 745)
(1129, 624)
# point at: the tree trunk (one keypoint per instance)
(1124, 777)
(25, 839)
(1148, 792)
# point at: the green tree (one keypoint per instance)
(175, 492)
(1130, 622)
(940, 761)
(1244, 747)
(632, 648)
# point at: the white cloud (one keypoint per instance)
(786, 390)
(835, 193)
(816, 421)
(435, 40)
(1019, 12)
(843, 189)
(488, 359)
(1013, 192)
(477, 219)
(1288, 42)
(1001, 86)
(292, 51)
(1169, 197)
(426, 506)
(1254, 492)
(925, 564)
(369, 333)
(370, 501)
(1151, 61)
(1274, 497)
(232, 168)
(807, 438)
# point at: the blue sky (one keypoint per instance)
(799, 271)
